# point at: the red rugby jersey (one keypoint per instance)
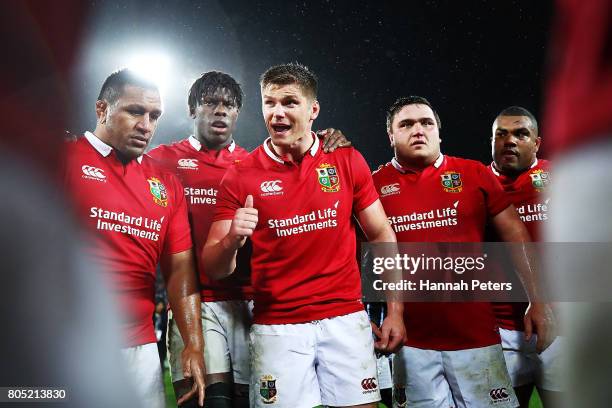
(136, 213)
(579, 91)
(201, 171)
(527, 193)
(460, 195)
(303, 264)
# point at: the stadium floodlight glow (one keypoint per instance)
(153, 66)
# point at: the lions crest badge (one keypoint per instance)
(328, 178)
(539, 179)
(158, 191)
(451, 182)
(267, 389)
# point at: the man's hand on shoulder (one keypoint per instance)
(333, 138)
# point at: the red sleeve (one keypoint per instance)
(178, 235)
(364, 193)
(496, 198)
(229, 198)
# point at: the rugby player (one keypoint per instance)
(524, 177)
(214, 101)
(200, 161)
(137, 213)
(311, 341)
(449, 345)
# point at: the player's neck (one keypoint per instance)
(214, 146)
(294, 152)
(101, 133)
(514, 173)
(418, 164)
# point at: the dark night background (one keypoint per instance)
(470, 59)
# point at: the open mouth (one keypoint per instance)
(219, 125)
(280, 127)
(418, 143)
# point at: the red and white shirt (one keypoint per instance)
(201, 171)
(303, 263)
(136, 213)
(460, 194)
(527, 193)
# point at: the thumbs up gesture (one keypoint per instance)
(244, 222)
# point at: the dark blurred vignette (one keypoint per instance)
(57, 319)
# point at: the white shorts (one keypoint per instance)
(143, 368)
(463, 378)
(526, 366)
(323, 362)
(225, 327)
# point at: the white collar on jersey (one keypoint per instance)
(494, 170)
(195, 143)
(273, 156)
(102, 147)
(402, 169)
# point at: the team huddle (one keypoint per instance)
(258, 251)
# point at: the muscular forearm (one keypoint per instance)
(219, 258)
(373, 222)
(525, 263)
(395, 308)
(184, 299)
(186, 311)
(511, 229)
(388, 249)
(184, 295)
(384, 234)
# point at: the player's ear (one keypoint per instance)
(391, 139)
(538, 140)
(101, 111)
(315, 109)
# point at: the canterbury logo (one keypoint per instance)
(93, 172)
(188, 163)
(271, 186)
(390, 189)
(368, 383)
(498, 393)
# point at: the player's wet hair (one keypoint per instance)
(519, 111)
(409, 100)
(208, 84)
(292, 73)
(113, 86)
